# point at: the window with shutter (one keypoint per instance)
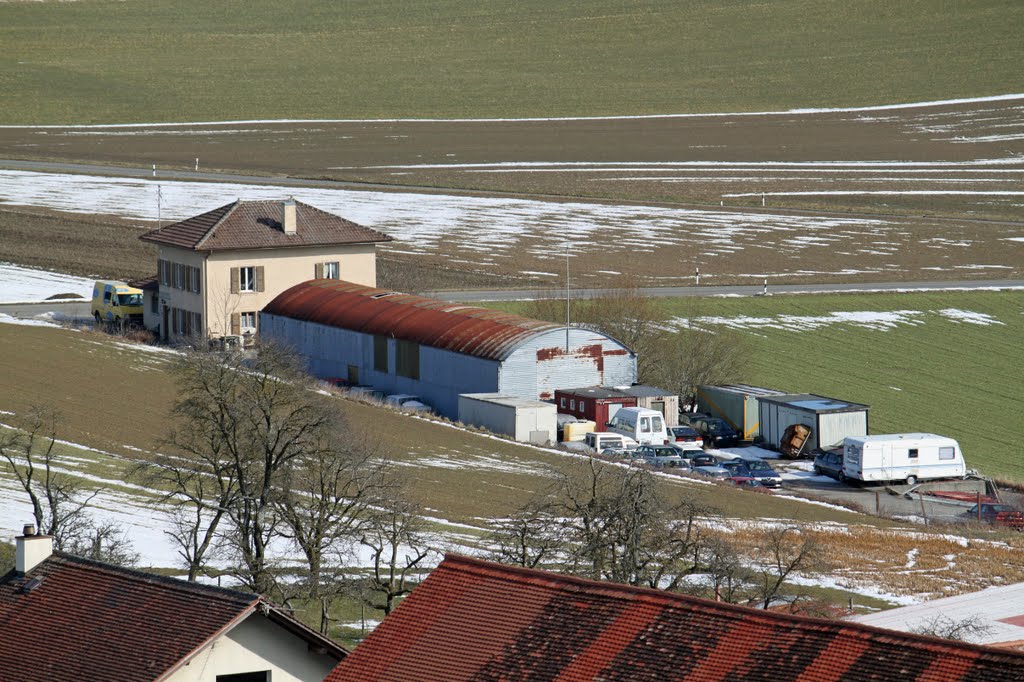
(332, 271)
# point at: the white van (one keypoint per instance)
(599, 441)
(909, 457)
(646, 427)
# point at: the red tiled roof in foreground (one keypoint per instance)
(257, 225)
(92, 621)
(475, 620)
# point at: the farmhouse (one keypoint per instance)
(216, 271)
(67, 619)
(477, 620)
(399, 343)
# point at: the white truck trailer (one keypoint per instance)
(908, 457)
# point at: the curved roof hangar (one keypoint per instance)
(481, 332)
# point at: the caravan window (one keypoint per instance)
(912, 453)
(947, 453)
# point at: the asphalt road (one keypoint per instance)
(745, 290)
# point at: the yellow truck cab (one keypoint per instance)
(116, 302)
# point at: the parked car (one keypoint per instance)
(601, 441)
(661, 455)
(687, 418)
(745, 482)
(997, 515)
(716, 432)
(764, 473)
(713, 472)
(702, 459)
(686, 437)
(406, 401)
(735, 467)
(830, 463)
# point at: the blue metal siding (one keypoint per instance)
(330, 350)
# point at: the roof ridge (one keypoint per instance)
(213, 228)
(520, 575)
(167, 581)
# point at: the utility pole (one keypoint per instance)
(566, 298)
(159, 199)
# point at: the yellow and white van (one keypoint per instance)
(116, 302)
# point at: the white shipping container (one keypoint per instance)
(527, 421)
(909, 457)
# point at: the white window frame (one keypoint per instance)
(243, 318)
(332, 270)
(247, 279)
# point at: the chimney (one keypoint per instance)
(31, 549)
(288, 216)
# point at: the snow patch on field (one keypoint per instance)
(488, 228)
(875, 320)
(28, 285)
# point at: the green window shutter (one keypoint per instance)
(259, 278)
(318, 271)
(236, 323)
(235, 281)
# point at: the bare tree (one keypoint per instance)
(789, 551)
(328, 502)
(606, 523)
(692, 357)
(241, 424)
(962, 630)
(59, 502)
(725, 567)
(106, 542)
(529, 538)
(622, 527)
(398, 544)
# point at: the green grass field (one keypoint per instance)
(189, 60)
(937, 375)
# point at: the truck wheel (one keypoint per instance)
(842, 477)
(99, 321)
(911, 480)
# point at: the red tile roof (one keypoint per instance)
(256, 225)
(475, 620)
(92, 621)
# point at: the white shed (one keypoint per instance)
(528, 421)
(829, 419)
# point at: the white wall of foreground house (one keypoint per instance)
(256, 645)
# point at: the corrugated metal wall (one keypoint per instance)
(541, 365)
(837, 426)
(828, 430)
(330, 350)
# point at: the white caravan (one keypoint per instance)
(909, 457)
(646, 427)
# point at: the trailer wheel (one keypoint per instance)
(911, 480)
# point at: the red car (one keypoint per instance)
(997, 515)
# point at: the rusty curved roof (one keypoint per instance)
(481, 332)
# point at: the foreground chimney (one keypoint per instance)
(31, 549)
(288, 216)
